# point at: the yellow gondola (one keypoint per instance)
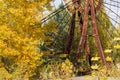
(95, 58)
(108, 51)
(116, 39)
(109, 59)
(95, 67)
(117, 47)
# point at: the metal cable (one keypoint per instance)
(63, 18)
(110, 37)
(55, 12)
(109, 16)
(112, 11)
(115, 1)
(112, 5)
(67, 23)
(113, 20)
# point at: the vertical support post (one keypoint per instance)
(80, 21)
(95, 31)
(84, 32)
(71, 34)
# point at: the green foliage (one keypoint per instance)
(57, 70)
(104, 73)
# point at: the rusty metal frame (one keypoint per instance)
(82, 10)
(95, 31)
(71, 34)
(89, 7)
(84, 33)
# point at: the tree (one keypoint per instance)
(19, 38)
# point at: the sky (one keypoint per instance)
(109, 12)
(114, 9)
(57, 2)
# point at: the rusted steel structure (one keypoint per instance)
(71, 34)
(88, 10)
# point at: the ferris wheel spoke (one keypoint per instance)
(111, 10)
(62, 8)
(110, 17)
(110, 35)
(112, 5)
(114, 28)
(115, 1)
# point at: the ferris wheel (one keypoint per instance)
(87, 11)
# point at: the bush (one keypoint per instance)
(56, 70)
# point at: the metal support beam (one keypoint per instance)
(71, 34)
(95, 32)
(84, 33)
(90, 7)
